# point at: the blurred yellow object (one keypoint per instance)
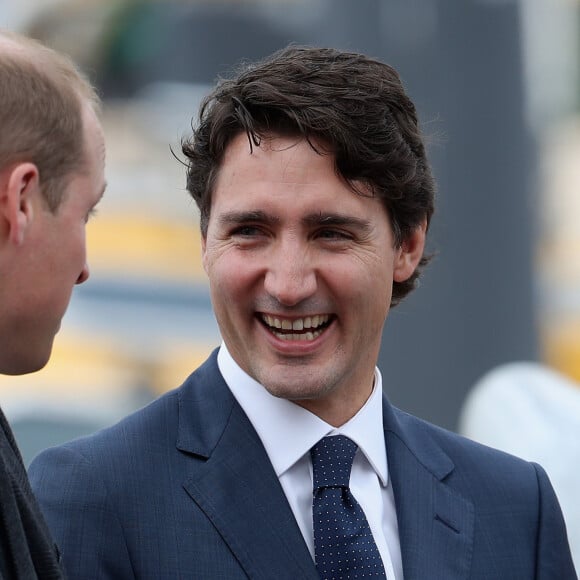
(85, 368)
(80, 363)
(145, 246)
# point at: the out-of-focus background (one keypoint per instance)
(497, 86)
(496, 83)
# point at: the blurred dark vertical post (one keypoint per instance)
(461, 61)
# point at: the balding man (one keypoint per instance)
(51, 177)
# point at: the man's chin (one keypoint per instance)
(25, 365)
(36, 361)
(296, 390)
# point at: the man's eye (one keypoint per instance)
(334, 235)
(246, 231)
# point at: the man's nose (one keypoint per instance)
(84, 275)
(291, 277)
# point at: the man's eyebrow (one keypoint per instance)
(244, 217)
(337, 219)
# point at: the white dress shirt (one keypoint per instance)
(289, 431)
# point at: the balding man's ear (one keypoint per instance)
(19, 186)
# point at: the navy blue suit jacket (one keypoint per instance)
(184, 489)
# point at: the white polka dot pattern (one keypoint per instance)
(343, 543)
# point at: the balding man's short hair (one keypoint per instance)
(42, 98)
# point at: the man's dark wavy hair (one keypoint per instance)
(355, 105)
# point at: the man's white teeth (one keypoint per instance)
(312, 322)
(301, 336)
(286, 329)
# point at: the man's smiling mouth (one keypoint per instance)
(307, 328)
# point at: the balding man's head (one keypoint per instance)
(42, 97)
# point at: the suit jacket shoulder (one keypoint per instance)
(477, 512)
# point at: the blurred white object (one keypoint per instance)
(533, 412)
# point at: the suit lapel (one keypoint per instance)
(236, 486)
(436, 524)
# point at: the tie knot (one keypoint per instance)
(332, 459)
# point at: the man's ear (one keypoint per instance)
(19, 185)
(410, 253)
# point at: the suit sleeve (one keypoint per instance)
(77, 505)
(554, 560)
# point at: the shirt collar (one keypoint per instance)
(288, 431)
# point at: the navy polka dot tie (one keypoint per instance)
(344, 547)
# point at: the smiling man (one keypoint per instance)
(51, 178)
(281, 457)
